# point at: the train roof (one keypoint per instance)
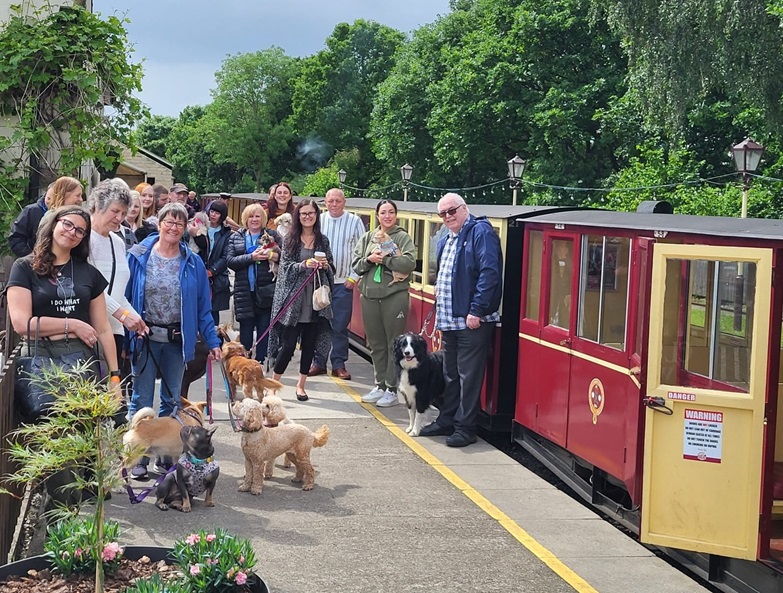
(751, 228)
(488, 210)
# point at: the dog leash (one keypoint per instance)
(137, 498)
(423, 331)
(209, 390)
(283, 309)
(235, 424)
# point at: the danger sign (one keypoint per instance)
(703, 436)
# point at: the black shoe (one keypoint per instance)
(460, 439)
(436, 430)
(140, 473)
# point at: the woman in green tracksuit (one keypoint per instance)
(381, 264)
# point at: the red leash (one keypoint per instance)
(284, 308)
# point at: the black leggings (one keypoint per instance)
(309, 333)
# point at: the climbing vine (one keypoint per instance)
(66, 96)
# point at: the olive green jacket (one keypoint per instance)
(404, 263)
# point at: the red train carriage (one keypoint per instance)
(649, 371)
(421, 221)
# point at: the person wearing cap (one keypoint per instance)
(218, 235)
(179, 193)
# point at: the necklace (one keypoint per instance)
(65, 283)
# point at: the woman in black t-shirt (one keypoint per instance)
(56, 289)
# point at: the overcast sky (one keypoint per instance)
(183, 42)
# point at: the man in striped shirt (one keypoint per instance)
(343, 229)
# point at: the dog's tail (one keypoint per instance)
(271, 385)
(141, 415)
(321, 436)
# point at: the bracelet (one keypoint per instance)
(351, 280)
(124, 316)
(66, 328)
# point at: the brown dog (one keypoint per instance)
(274, 414)
(150, 435)
(388, 247)
(246, 372)
(260, 445)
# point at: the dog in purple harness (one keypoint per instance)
(195, 473)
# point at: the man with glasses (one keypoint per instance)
(467, 295)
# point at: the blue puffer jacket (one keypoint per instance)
(196, 302)
(479, 265)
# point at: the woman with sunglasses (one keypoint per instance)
(385, 302)
(168, 285)
(56, 293)
(300, 320)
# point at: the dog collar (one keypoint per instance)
(196, 461)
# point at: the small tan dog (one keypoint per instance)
(284, 222)
(260, 444)
(150, 435)
(384, 242)
(246, 372)
(268, 242)
(274, 415)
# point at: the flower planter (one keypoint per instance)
(154, 553)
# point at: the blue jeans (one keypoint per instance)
(172, 367)
(259, 325)
(342, 308)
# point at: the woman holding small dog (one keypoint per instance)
(254, 281)
(168, 284)
(305, 249)
(280, 201)
(384, 297)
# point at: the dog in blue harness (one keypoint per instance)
(195, 473)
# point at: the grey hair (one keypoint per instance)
(173, 210)
(456, 197)
(106, 193)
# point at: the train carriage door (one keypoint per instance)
(705, 398)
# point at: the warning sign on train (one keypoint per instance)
(703, 436)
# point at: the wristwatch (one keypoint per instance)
(114, 374)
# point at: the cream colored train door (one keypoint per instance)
(706, 384)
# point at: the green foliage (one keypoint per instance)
(72, 547)
(335, 90)
(56, 74)
(318, 183)
(158, 584)
(153, 133)
(78, 435)
(214, 561)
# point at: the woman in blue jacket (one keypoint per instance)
(168, 286)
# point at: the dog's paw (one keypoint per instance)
(308, 486)
(255, 491)
(296, 480)
(244, 487)
(408, 430)
(162, 506)
(413, 433)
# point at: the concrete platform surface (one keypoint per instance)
(393, 513)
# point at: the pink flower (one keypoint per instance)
(111, 551)
(78, 553)
(195, 569)
(241, 559)
(241, 578)
(211, 537)
(192, 539)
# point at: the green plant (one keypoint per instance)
(215, 561)
(78, 439)
(71, 546)
(158, 584)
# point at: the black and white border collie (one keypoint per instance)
(421, 377)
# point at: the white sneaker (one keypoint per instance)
(372, 397)
(388, 400)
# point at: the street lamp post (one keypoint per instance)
(746, 155)
(341, 176)
(406, 171)
(516, 168)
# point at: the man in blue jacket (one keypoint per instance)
(467, 295)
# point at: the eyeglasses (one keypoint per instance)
(171, 224)
(69, 227)
(450, 211)
(307, 214)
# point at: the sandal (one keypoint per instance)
(302, 397)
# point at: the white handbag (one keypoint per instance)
(322, 296)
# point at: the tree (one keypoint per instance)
(335, 90)
(246, 124)
(58, 71)
(153, 133)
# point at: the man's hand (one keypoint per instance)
(473, 322)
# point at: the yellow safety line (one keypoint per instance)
(506, 522)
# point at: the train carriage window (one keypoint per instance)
(561, 266)
(603, 290)
(416, 231)
(366, 220)
(436, 231)
(718, 298)
(535, 248)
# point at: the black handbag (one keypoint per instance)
(31, 399)
(263, 295)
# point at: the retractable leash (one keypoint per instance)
(284, 308)
(137, 498)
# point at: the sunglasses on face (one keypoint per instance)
(450, 211)
(69, 227)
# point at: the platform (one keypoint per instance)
(390, 513)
